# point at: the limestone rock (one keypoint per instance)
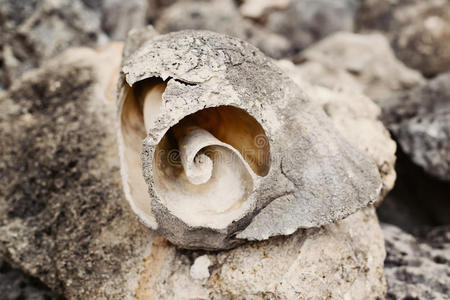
(418, 198)
(304, 22)
(33, 31)
(418, 30)
(367, 58)
(221, 16)
(417, 268)
(63, 217)
(256, 9)
(16, 285)
(119, 17)
(420, 120)
(155, 7)
(338, 261)
(288, 165)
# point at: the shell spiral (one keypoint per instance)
(218, 146)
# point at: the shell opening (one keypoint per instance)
(131, 134)
(204, 168)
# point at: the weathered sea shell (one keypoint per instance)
(218, 146)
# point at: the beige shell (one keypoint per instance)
(218, 146)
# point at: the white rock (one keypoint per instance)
(199, 270)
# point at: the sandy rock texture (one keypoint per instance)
(365, 61)
(257, 9)
(15, 285)
(418, 198)
(71, 186)
(417, 30)
(420, 121)
(221, 16)
(281, 268)
(118, 17)
(62, 217)
(33, 31)
(417, 267)
(303, 22)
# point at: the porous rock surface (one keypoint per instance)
(64, 218)
(32, 31)
(16, 285)
(117, 17)
(281, 268)
(367, 59)
(257, 9)
(221, 16)
(417, 267)
(420, 121)
(417, 30)
(304, 22)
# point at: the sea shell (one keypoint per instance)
(218, 146)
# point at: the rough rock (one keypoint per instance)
(71, 227)
(417, 30)
(257, 9)
(417, 267)
(307, 176)
(33, 31)
(418, 199)
(221, 16)
(353, 113)
(119, 17)
(420, 121)
(368, 59)
(15, 285)
(155, 7)
(304, 22)
(62, 216)
(338, 261)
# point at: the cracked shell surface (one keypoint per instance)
(304, 173)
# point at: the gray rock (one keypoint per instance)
(418, 30)
(155, 7)
(16, 285)
(33, 31)
(258, 9)
(118, 17)
(337, 261)
(304, 22)
(420, 120)
(418, 199)
(366, 58)
(63, 217)
(310, 177)
(417, 267)
(221, 16)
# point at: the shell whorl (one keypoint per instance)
(218, 146)
(199, 178)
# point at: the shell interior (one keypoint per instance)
(204, 167)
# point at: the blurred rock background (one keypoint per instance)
(397, 52)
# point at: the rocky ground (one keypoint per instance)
(344, 52)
